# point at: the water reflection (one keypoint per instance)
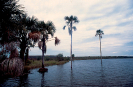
(42, 80)
(84, 73)
(23, 81)
(71, 77)
(103, 80)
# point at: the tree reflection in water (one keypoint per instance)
(24, 81)
(71, 78)
(43, 82)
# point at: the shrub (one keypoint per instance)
(47, 58)
(59, 57)
(12, 66)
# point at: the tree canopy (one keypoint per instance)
(9, 9)
(17, 26)
(69, 21)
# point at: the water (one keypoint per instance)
(113, 72)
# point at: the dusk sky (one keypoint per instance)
(114, 17)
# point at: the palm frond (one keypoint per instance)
(71, 17)
(40, 44)
(99, 32)
(96, 34)
(68, 22)
(57, 41)
(34, 36)
(75, 19)
(74, 28)
(64, 27)
(50, 27)
(67, 18)
(40, 25)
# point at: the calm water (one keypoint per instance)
(113, 72)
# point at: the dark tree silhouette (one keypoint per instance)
(27, 26)
(9, 9)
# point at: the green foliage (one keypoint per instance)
(47, 58)
(15, 25)
(66, 58)
(99, 33)
(73, 55)
(60, 57)
(9, 9)
(69, 21)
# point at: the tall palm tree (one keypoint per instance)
(69, 21)
(100, 33)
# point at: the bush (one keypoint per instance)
(59, 57)
(47, 58)
(66, 58)
(38, 58)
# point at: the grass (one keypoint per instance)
(38, 63)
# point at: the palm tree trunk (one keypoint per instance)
(71, 43)
(100, 49)
(43, 51)
(27, 55)
(22, 48)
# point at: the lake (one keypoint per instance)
(113, 72)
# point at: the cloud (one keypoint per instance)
(114, 17)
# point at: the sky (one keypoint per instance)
(113, 17)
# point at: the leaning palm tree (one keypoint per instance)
(99, 33)
(69, 21)
(44, 29)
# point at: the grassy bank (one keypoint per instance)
(38, 63)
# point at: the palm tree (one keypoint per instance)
(9, 9)
(44, 29)
(69, 21)
(25, 25)
(100, 32)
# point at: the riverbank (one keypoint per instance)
(103, 57)
(38, 63)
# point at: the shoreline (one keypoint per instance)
(38, 63)
(93, 58)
